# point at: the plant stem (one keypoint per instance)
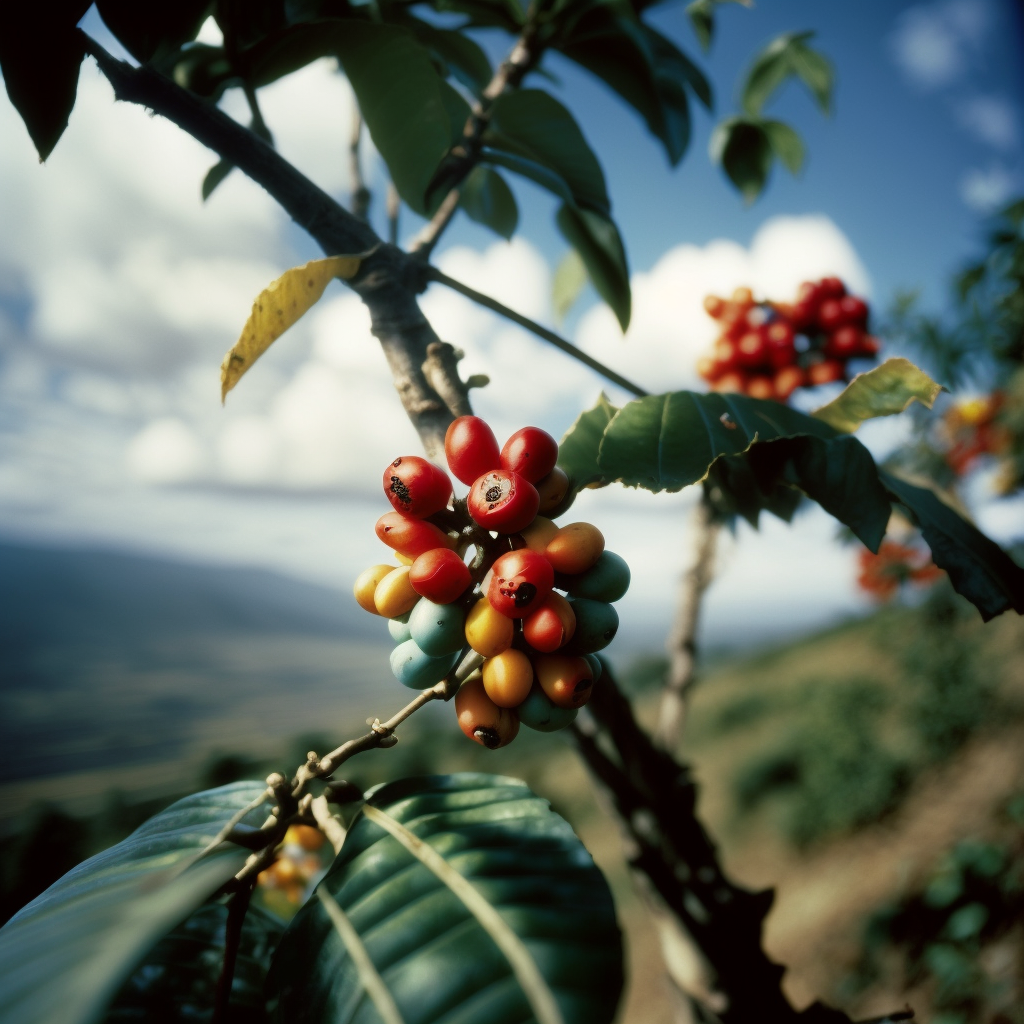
(682, 641)
(360, 198)
(237, 907)
(433, 274)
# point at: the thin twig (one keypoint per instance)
(394, 205)
(433, 274)
(682, 642)
(237, 907)
(328, 822)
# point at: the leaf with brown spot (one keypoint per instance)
(279, 306)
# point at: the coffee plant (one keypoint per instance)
(465, 897)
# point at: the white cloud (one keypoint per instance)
(670, 329)
(987, 190)
(935, 44)
(991, 119)
(166, 452)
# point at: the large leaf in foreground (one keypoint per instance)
(177, 981)
(423, 946)
(978, 568)
(64, 955)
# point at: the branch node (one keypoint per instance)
(442, 373)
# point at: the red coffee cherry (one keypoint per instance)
(503, 501)
(520, 582)
(530, 452)
(869, 346)
(844, 343)
(567, 681)
(551, 625)
(410, 537)
(752, 348)
(440, 575)
(831, 288)
(416, 487)
(855, 311)
(830, 315)
(471, 448)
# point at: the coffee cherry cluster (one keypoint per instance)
(769, 349)
(534, 599)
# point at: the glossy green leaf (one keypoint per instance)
(787, 56)
(567, 284)
(745, 153)
(536, 172)
(214, 176)
(440, 954)
(41, 52)
(177, 981)
(597, 240)
(64, 955)
(578, 450)
(401, 99)
(537, 122)
(488, 200)
(884, 391)
(506, 14)
(978, 568)
(463, 56)
(786, 144)
(147, 30)
(732, 489)
(672, 65)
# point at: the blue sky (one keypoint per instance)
(120, 291)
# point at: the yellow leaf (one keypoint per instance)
(277, 307)
(884, 391)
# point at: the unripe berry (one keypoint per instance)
(537, 712)
(471, 448)
(416, 487)
(743, 297)
(488, 632)
(566, 681)
(438, 629)
(760, 387)
(713, 306)
(606, 580)
(530, 452)
(575, 548)
(416, 669)
(481, 719)
(440, 575)
(551, 490)
(410, 537)
(787, 380)
(503, 501)
(507, 678)
(597, 622)
(520, 582)
(825, 372)
(728, 383)
(366, 584)
(394, 595)
(538, 533)
(551, 626)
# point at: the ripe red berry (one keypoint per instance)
(844, 343)
(855, 311)
(831, 288)
(779, 334)
(809, 292)
(520, 582)
(440, 575)
(471, 448)
(410, 537)
(752, 349)
(825, 372)
(503, 501)
(804, 316)
(530, 452)
(551, 625)
(416, 487)
(869, 346)
(830, 315)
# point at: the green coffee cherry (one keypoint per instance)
(596, 625)
(438, 629)
(595, 663)
(537, 712)
(399, 628)
(606, 580)
(417, 670)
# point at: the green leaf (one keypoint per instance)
(543, 176)
(177, 981)
(567, 284)
(884, 391)
(787, 56)
(488, 200)
(578, 450)
(597, 240)
(401, 99)
(745, 153)
(214, 176)
(733, 490)
(702, 18)
(978, 568)
(671, 65)
(786, 144)
(471, 900)
(506, 14)
(148, 30)
(41, 51)
(463, 56)
(537, 122)
(64, 955)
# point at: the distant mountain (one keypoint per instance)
(108, 658)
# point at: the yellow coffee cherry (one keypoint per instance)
(394, 595)
(539, 533)
(366, 585)
(575, 548)
(507, 678)
(403, 559)
(488, 632)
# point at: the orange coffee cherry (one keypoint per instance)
(366, 584)
(575, 548)
(481, 719)
(507, 678)
(394, 595)
(567, 680)
(488, 632)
